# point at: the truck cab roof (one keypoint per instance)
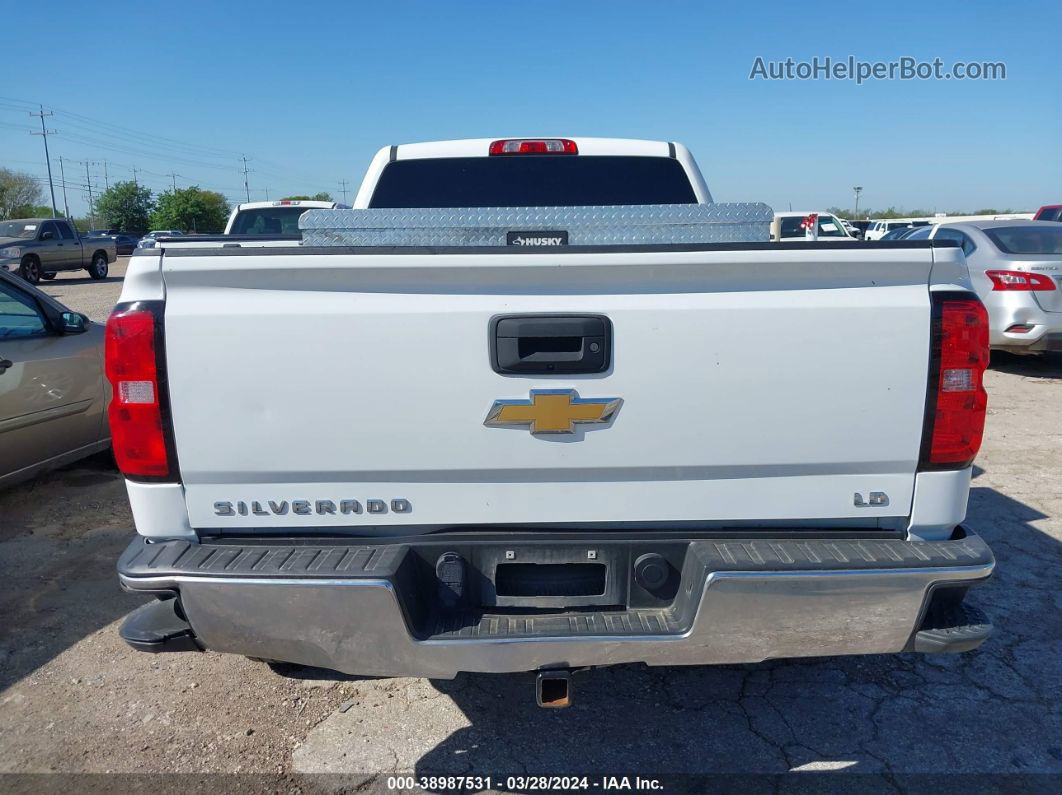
(280, 217)
(573, 147)
(306, 204)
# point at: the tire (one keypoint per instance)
(98, 269)
(48, 275)
(31, 270)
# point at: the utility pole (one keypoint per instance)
(267, 193)
(246, 188)
(134, 177)
(106, 179)
(62, 176)
(92, 208)
(343, 187)
(174, 176)
(44, 132)
(858, 189)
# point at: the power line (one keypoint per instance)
(163, 157)
(123, 146)
(44, 132)
(123, 138)
(118, 130)
(111, 137)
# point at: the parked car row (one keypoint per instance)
(1015, 266)
(793, 226)
(900, 232)
(879, 229)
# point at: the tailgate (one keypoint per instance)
(324, 388)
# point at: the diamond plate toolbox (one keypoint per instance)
(646, 224)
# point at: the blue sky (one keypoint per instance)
(309, 91)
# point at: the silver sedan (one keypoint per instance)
(53, 393)
(1016, 269)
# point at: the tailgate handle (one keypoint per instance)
(544, 344)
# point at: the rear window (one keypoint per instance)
(1050, 214)
(1028, 239)
(268, 221)
(532, 181)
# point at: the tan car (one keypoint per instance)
(53, 393)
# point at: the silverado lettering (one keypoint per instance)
(306, 507)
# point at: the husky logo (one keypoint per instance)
(537, 238)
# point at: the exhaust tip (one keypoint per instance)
(553, 689)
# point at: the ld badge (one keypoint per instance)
(551, 411)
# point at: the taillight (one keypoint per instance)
(955, 415)
(138, 435)
(534, 146)
(1020, 280)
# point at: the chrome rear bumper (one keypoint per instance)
(367, 610)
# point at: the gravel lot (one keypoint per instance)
(81, 293)
(74, 698)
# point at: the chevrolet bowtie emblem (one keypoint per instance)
(551, 411)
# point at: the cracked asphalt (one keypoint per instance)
(74, 698)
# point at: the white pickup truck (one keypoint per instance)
(427, 459)
(276, 218)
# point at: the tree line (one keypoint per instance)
(133, 208)
(128, 206)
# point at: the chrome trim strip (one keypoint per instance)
(942, 572)
(162, 582)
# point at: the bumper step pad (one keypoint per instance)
(143, 559)
(963, 628)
